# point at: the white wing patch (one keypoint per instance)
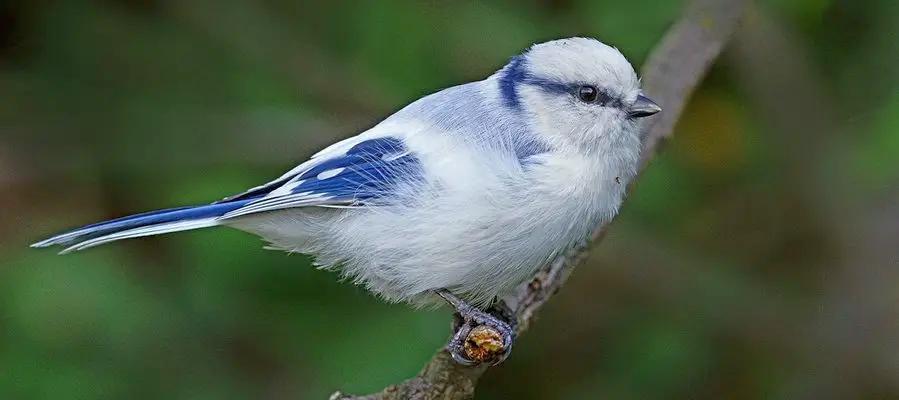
(361, 172)
(330, 173)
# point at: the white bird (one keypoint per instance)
(464, 193)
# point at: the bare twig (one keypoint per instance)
(670, 75)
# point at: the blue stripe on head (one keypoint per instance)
(516, 73)
(550, 86)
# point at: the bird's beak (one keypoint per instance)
(643, 107)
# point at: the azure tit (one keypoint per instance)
(459, 196)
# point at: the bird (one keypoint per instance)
(459, 196)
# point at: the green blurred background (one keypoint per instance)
(757, 258)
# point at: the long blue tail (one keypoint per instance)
(145, 224)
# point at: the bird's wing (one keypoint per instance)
(355, 172)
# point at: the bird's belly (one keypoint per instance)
(477, 252)
(478, 247)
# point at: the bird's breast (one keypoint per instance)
(581, 187)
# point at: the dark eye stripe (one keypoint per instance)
(607, 99)
(516, 73)
(602, 96)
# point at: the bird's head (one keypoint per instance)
(579, 92)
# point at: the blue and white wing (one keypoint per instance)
(356, 172)
(359, 171)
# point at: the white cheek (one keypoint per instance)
(570, 124)
(552, 114)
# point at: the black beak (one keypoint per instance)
(643, 107)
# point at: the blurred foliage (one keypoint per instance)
(732, 273)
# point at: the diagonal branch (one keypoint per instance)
(670, 75)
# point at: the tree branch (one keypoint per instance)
(671, 73)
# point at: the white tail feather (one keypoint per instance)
(144, 231)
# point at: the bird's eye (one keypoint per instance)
(587, 93)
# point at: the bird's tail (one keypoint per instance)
(145, 224)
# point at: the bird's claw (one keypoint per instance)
(479, 337)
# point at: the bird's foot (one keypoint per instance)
(479, 337)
